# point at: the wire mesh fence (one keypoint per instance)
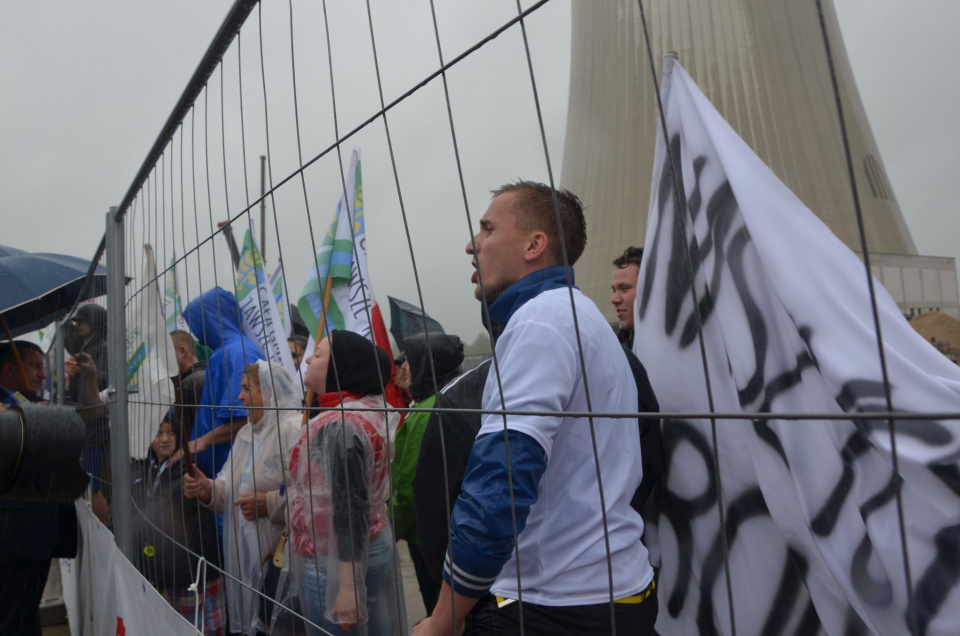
(258, 469)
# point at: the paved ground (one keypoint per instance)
(52, 612)
(411, 591)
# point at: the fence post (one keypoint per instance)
(117, 363)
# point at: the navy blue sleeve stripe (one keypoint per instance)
(482, 524)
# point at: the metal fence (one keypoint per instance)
(430, 115)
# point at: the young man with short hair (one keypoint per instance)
(536, 475)
(624, 286)
(193, 374)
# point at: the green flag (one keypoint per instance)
(335, 260)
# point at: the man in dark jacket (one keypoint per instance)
(193, 374)
(442, 463)
(432, 360)
(90, 322)
(30, 533)
(626, 273)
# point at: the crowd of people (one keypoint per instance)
(294, 509)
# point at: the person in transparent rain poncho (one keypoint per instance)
(248, 489)
(339, 486)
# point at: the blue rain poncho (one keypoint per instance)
(214, 319)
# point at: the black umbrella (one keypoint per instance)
(407, 320)
(36, 289)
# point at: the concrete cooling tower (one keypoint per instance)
(764, 66)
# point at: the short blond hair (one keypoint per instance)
(535, 211)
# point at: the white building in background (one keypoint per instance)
(919, 283)
(764, 66)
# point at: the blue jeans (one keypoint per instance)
(385, 609)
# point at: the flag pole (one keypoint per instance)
(263, 209)
(327, 290)
(16, 354)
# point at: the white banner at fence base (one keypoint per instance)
(104, 593)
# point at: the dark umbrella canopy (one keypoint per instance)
(407, 320)
(36, 289)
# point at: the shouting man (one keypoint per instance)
(579, 560)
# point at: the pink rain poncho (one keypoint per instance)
(338, 491)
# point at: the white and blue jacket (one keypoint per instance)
(561, 558)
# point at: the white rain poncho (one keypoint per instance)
(256, 464)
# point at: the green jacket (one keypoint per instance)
(404, 467)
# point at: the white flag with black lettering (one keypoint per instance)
(258, 305)
(809, 506)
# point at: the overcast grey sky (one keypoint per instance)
(906, 60)
(87, 86)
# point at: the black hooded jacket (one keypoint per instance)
(96, 346)
(432, 485)
(447, 354)
(165, 521)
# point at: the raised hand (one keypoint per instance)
(196, 484)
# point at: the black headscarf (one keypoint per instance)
(447, 354)
(357, 365)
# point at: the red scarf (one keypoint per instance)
(336, 398)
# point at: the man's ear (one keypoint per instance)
(536, 246)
